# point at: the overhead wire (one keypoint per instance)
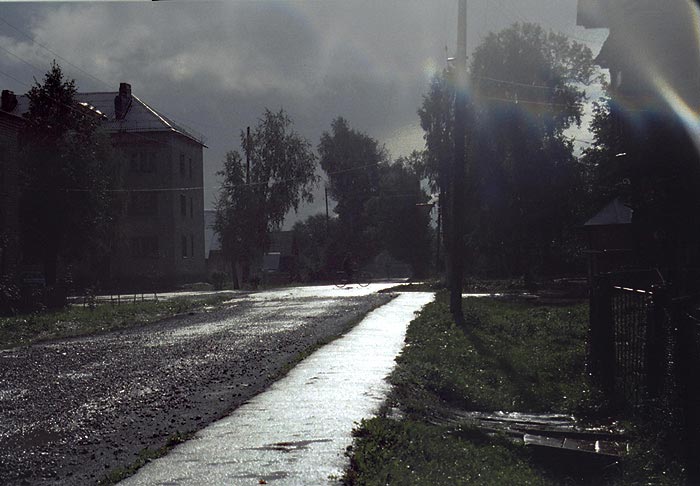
(41, 45)
(33, 40)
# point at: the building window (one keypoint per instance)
(143, 162)
(191, 245)
(183, 242)
(190, 161)
(144, 247)
(143, 203)
(183, 205)
(182, 164)
(191, 208)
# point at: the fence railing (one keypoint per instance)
(644, 350)
(633, 340)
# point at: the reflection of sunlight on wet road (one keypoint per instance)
(320, 291)
(296, 432)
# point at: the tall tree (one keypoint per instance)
(523, 178)
(352, 160)
(437, 120)
(398, 216)
(282, 175)
(67, 170)
(320, 247)
(604, 160)
(527, 94)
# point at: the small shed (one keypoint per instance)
(610, 238)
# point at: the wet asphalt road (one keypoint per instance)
(73, 410)
(296, 432)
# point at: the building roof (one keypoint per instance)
(140, 117)
(615, 212)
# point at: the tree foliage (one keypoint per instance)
(603, 161)
(67, 171)
(321, 250)
(399, 219)
(282, 175)
(376, 199)
(351, 160)
(523, 178)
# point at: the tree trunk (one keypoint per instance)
(234, 275)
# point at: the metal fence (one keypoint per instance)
(630, 312)
(644, 350)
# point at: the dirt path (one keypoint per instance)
(71, 411)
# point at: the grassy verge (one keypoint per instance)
(78, 321)
(514, 356)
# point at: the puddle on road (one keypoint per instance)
(290, 446)
(297, 431)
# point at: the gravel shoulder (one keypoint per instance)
(73, 410)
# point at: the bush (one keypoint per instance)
(9, 296)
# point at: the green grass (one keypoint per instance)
(78, 321)
(513, 355)
(409, 452)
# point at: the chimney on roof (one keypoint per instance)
(122, 102)
(8, 101)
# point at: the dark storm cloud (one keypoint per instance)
(215, 66)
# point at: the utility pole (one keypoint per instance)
(247, 155)
(327, 216)
(457, 201)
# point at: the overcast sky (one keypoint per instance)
(215, 66)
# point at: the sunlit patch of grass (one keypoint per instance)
(78, 321)
(512, 356)
(410, 452)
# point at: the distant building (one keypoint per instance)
(10, 126)
(278, 264)
(161, 230)
(159, 236)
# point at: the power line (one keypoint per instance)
(516, 16)
(21, 59)
(156, 189)
(516, 83)
(33, 40)
(14, 79)
(52, 52)
(296, 179)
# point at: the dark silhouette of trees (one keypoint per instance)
(352, 160)
(525, 186)
(376, 199)
(67, 170)
(282, 175)
(321, 250)
(399, 224)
